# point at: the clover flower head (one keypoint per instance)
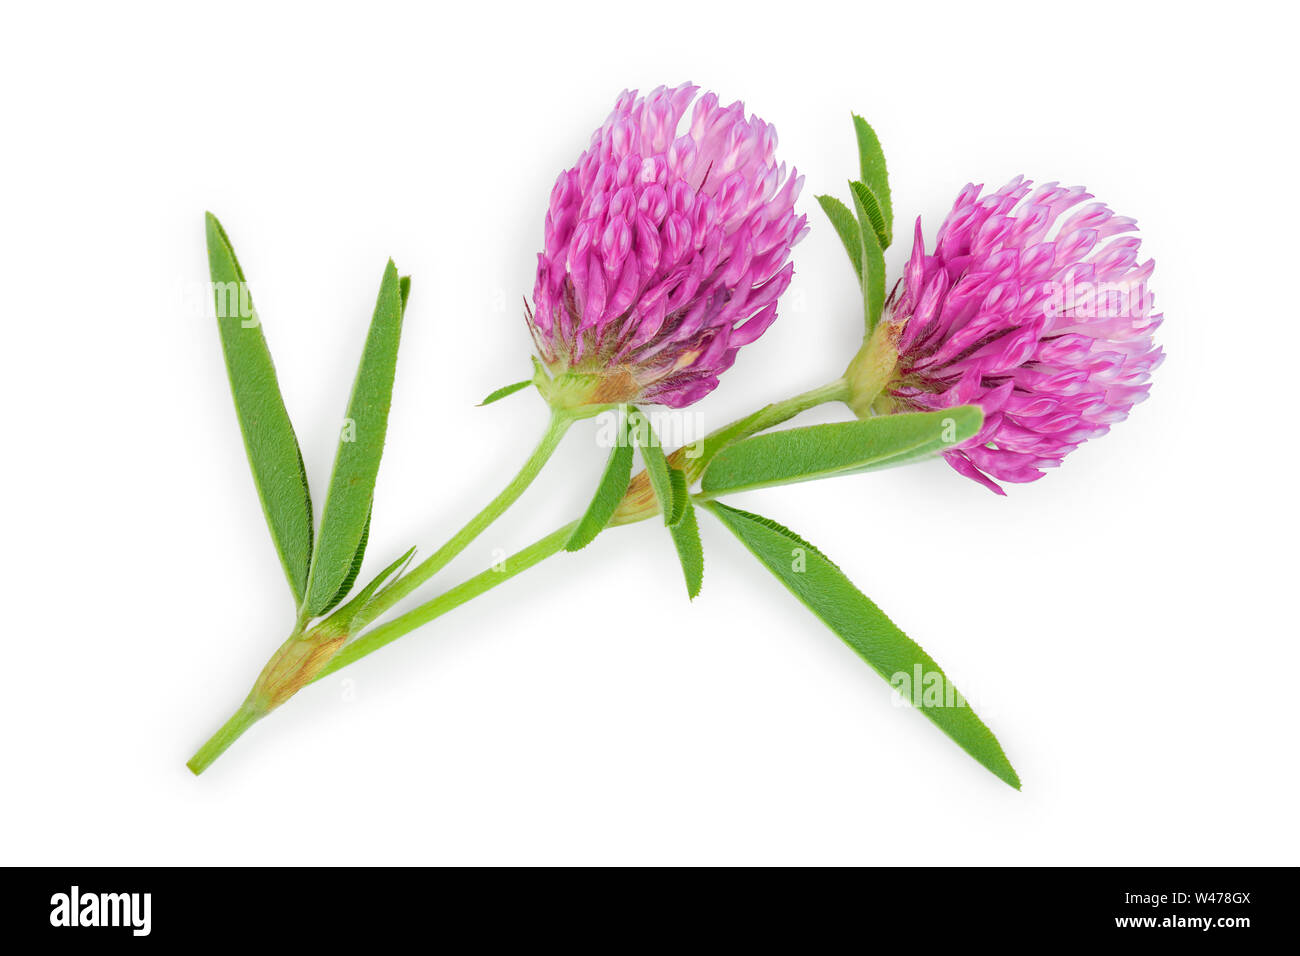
(1034, 307)
(664, 252)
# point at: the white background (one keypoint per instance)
(1127, 625)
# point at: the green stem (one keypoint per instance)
(386, 599)
(230, 731)
(533, 554)
(484, 581)
(766, 417)
(300, 659)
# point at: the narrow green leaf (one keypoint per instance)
(681, 494)
(352, 486)
(686, 537)
(269, 439)
(875, 215)
(871, 163)
(610, 491)
(821, 451)
(354, 570)
(846, 227)
(505, 390)
(823, 588)
(401, 572)
(348, 616)
(656, 464)
(873, 258)
(404, 288)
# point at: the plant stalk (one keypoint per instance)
(253, 709)
(482, 582)
(766, 417)
(247, 715)
(409, 582)
(300, 659)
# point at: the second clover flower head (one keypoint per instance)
(664, 253)
(1033, 307)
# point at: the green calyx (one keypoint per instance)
(587, 391)
(873, 369)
